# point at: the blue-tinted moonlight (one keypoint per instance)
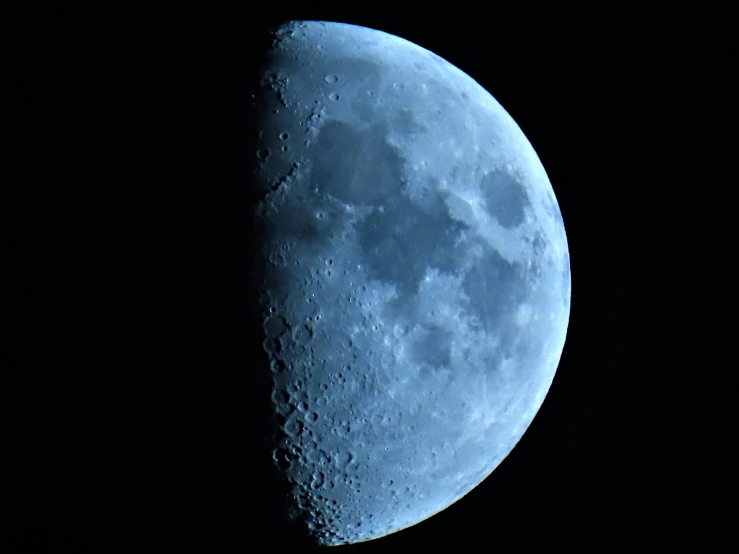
(413, 277)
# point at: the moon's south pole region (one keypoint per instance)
(412, 273)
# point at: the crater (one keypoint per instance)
(505, 198)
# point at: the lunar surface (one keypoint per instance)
(413, 277)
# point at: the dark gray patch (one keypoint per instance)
(274, 326)
(355, 166)
(277, 283)
(303, 217)
(405, 123)
(433, 347)
(366, 108)
(360, 77)
(505, 199)
(402, 242)
(495, 288)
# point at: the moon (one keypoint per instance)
(412, 275)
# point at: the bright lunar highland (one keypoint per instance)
(413, 276)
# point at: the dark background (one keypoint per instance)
(135, 408)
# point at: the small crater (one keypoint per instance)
(294, 427)
(281, 461)
(277, 366)
(273, 346)
(333, 97)
(274, 326)
(317, 480)
(342, 459)
(331, 78)
(303, 334)
(400, 331)
(318, 456)
(263, 153)
(310, 417)
(344, 429)
(280, 397)
(283, 136)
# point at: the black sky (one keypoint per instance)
(134, 410)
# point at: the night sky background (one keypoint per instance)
(135, 405)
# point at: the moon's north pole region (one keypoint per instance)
(412, 272)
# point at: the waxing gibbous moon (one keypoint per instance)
(413, 277)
